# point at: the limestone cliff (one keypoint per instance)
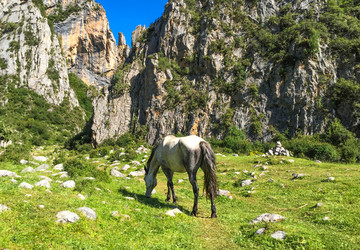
(30, 53)
(88, 43)
(262, 66)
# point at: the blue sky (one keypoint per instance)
(125, 15)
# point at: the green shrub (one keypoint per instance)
(78, 167)
(3, 63)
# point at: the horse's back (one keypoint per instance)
(174, 151)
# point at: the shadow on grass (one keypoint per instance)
(152, 202)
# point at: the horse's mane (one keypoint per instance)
(152, 154)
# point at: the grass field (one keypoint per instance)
(26, 226)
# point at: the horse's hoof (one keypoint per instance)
(213, 215)
(167, 200)
(193, 213)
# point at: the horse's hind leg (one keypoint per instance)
(192, 179)
(169, 175)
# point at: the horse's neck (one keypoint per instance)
(154, 167)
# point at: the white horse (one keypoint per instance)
(183, 154)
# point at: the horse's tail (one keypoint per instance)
(208, 166)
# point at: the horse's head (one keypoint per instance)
(150, 181)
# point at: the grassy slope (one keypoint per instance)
(27, 226)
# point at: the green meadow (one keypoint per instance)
(141, 223)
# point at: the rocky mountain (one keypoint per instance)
(262, 66)
(30, 54)
(88, 43)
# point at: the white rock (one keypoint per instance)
(28, 170)
(25, 185)
(81, 197)
(279, 235)
(126, 167)
(246, 183)
(13, 180)
(291, 160)
(88, 213)
(260, 231)
(154, 191)
(23, 161)
(326, 218)
(4, 173)
(40, 158)
(103, 202)
(267, 217)
(67, 216)
(173, 212)
(43, 183)
(41, 206)
(89, 178)
(129, 198)
(49, 191)
(45, 178)
(221, 192)
(68, 184)
(114, 172)
(137, 173)
(59, 167)
(42, 167)
(136, 163)
(115, 164)
(115, 214)
(331, 179)
(126, 217)
(3, 208)
(180, 180)
(65, 175)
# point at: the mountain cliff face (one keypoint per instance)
(30, 54)
(88, 43)
(263, 66)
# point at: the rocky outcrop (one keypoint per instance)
(88, 43)
(30, 53)
(206, 65)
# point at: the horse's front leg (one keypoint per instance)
(170, 185)
(195, 186)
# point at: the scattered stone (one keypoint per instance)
(40, 158)
(126, 167)
(298, 176)
(115, 214)
(137, 173)
(67, 216)
(279, 235)
(261, 174)
(115, 164)
(129, 198)
(291, 161)
(237, 172)
(246, 183)
(3, 208)
(236, 155)
(331, 179)
(25, 185)
(115, 172)
(325, 218)
(28, 170)
(28, 195)
(260, 231)
(23, 161)
(49, 191)
(68, 184)
(65, 175)
(59, 167)
(43, 183)
(103, 202)
(154, 191)
(245, 171)
(89, 178)
(319, 204)
(267, 217)
(180, 180)
(45, 178)
(278, 150)
(41, 206)
(282, 185)
(13, 180)
(81, 197)
(88, 213)
(4, 173)
(135, 163)
(98, 189)
(141, 150)
(42, 167)
(317, 161)
(219, 154)
(271, 180)
(226, 193)
(126, 217)
(173, 212)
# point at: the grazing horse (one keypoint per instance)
(183, 154)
